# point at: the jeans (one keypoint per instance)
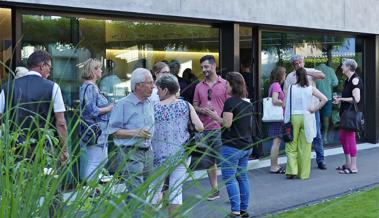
(318, 144)
(234, 174)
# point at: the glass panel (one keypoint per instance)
(121, 45)
(141, 44)
(5, 42)
(246, 60)
(321, 52)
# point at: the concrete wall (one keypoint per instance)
(344, 15)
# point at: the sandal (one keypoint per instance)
(341, 168)
(281, 170)
(347, 171)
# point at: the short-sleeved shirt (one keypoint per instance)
(239, 135)
(275, 87)
(325, 85)
(132, 113)
(348, 92)
(56, 96)
(219, 94)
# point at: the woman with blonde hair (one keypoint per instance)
(94, 108)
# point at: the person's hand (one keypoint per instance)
(64, 156)
(207, 111)
(336, 100)
(212, 114)
(313, 110)
(110, 107)
(143, 133)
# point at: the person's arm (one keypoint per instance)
(60, 124)
(128, 133)
(316, 74)
(334, 79)
(323, 99)
(357, 96)
(106, 109)
(195, 119)
(227, 119)
(90, 100)
(197, 107)
(356, 93)
(275, 99)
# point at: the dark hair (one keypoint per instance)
(237, 83)
(169, 82)
(277, 74)
(302, 79)
(187, 74)
(210, 58)
(38, 57)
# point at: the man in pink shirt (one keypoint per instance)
(210, 95)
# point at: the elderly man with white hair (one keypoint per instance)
(132, 124)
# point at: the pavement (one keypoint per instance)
(271, 193)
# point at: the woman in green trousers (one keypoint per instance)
(300, 111)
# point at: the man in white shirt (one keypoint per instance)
(313, 74)
(30, 97)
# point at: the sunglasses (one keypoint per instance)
(209, 94)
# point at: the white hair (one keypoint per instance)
(138, 76)
(296, 58)
(351, 63)
(20, 72)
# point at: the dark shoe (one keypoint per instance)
(342, 167)
(291, 176)
(322, 166)
(232, 215)
(281, 170)
(214, 195)
(244, 214)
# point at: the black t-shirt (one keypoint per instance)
(347, 92)
(239, 135)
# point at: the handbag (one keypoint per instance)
(271, 112)
(287, 128)
(191, 141)
(89, 133)
(352, 119)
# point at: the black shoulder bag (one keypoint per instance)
(191, 142)
(89, 133)
(352, 119)
(287, 129)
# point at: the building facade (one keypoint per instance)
(248, 36)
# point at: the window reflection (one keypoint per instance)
(122, 46)
(5, 43)
(321, 52)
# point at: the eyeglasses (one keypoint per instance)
(209, 94)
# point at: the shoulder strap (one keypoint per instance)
(84, 97)
(189, 111)
(290, 101)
